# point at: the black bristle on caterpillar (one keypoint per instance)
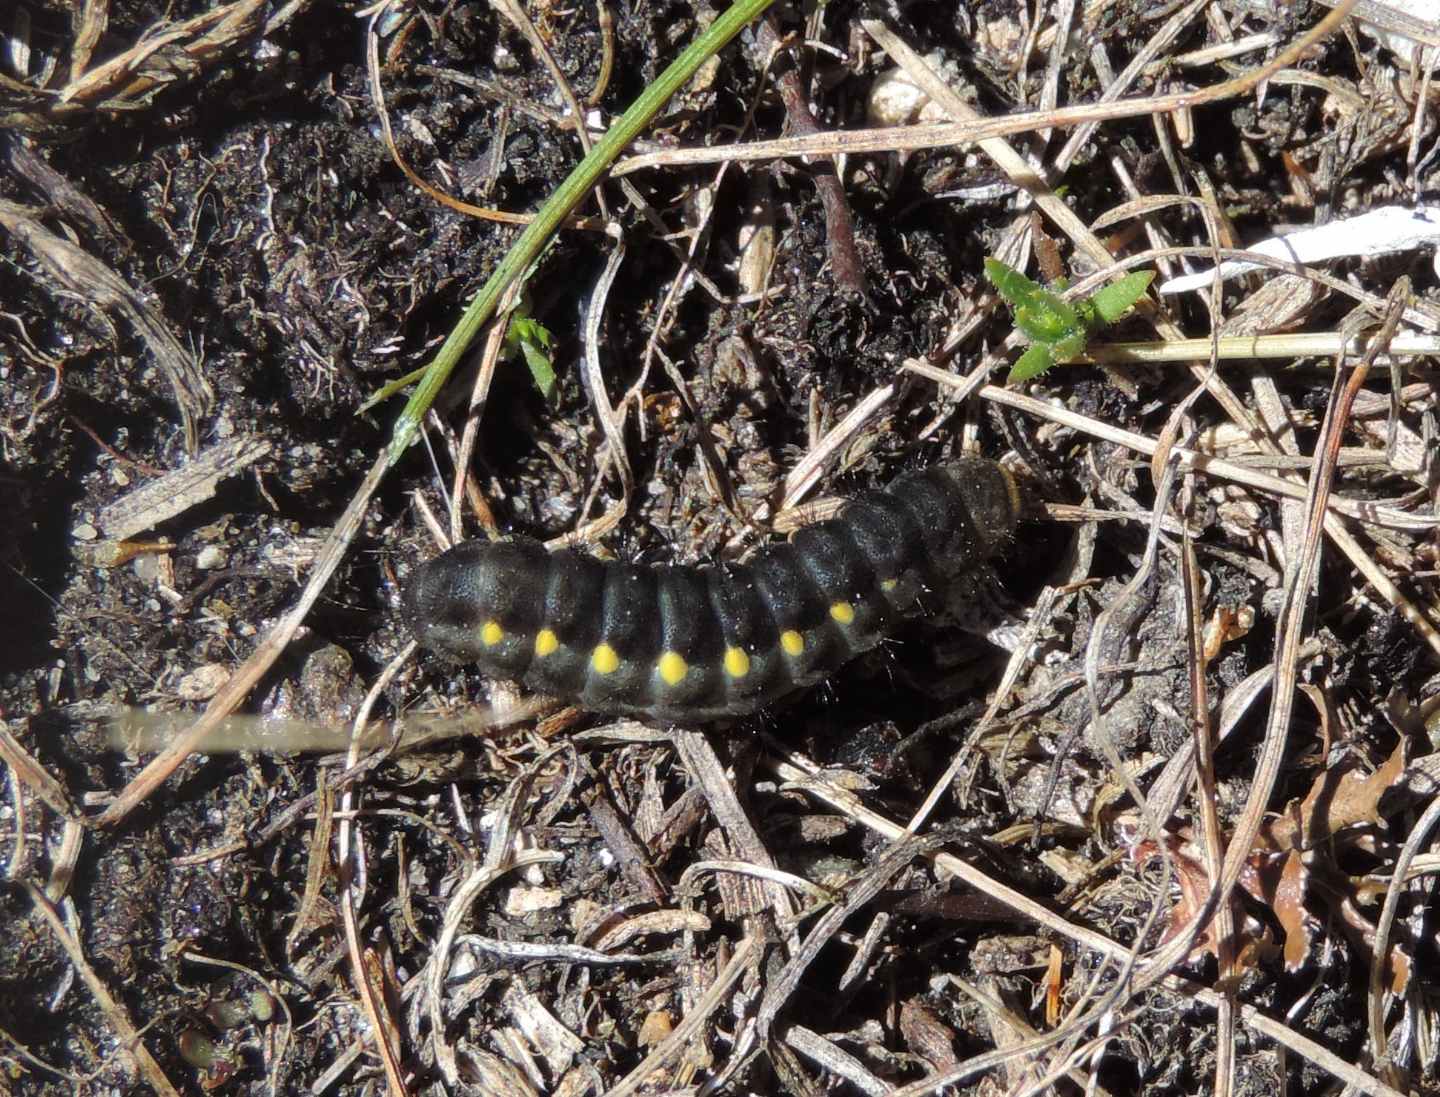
(696, 643)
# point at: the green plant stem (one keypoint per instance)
(566, 197)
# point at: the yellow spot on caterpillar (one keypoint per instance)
(491, 633)
(887, 585)
(843, 612)
(672, 668)
(604, 659)
(546, 642)
(737, 663)
(792, 642)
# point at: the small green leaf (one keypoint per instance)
(533, 340)
(1118, 298)
(1032, 363)
(1047, 320)
(1039, 314)
(542, 370)
(1058, 330)
(1012, 285)
(526, 329)
(1071, 346)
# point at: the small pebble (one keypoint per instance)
(894, 99)
(210, 558)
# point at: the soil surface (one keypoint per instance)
(210, 258)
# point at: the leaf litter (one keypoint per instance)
(572, 906)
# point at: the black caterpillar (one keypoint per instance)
(689, 644)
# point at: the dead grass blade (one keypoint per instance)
(1288, 642)
(1202, 735)
(910, 138)
(1376, 514)
(261, 659)
(706, 768)
(79, 273)
(1418, 837)
(29, 773)
(131, 1047)
(743, 961)
(805, 774)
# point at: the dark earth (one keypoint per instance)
(206, 247)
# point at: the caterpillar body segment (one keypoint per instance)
(689, 644)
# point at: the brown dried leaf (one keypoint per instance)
(1253, 941)
(1288, 903)
(1194, 884)
(1354, 799)
(1361, 930)
(1338, 798)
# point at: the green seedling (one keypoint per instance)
(1060, 329)
(532, 339)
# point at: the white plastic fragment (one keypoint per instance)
(1382, 231)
